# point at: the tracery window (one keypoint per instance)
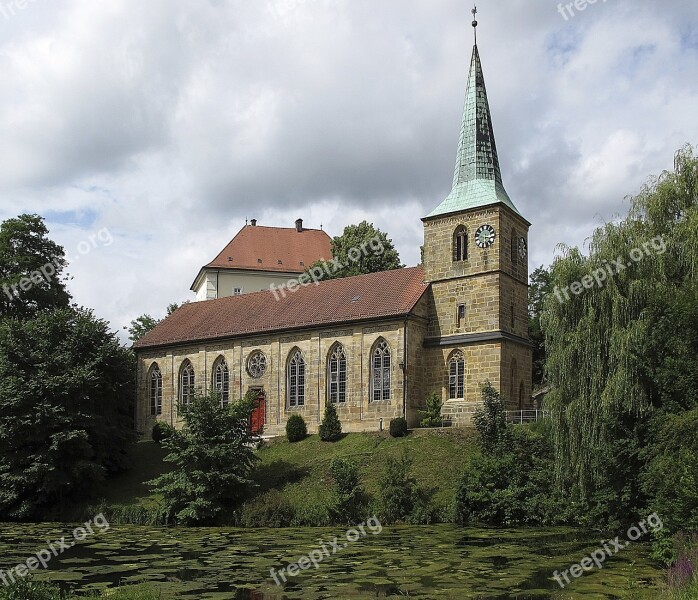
(221, 381)
(186, 383)
(380, 371)
(296, 379)
(337, 375)
(257, 364)
(456, 376)
(155, 391)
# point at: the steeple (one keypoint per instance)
(478, 180)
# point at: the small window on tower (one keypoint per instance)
(237, 291)
(461, 314)
(513, 317)
(460, 244)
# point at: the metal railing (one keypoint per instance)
(526, 416)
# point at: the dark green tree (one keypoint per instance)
(361, 249)
(490, 421)
(31, 268)
(330, 429)
(350, 499)
(66, 409)
(398, 490)
(213, 455)
(431, 417)
(539, 290)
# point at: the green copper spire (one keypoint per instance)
(478, 179)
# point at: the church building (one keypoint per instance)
(374, 345)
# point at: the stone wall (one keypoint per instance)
(358, 413)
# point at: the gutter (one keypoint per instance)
(404, 372)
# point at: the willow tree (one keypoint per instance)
(614, 334)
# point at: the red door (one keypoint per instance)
(258, 416)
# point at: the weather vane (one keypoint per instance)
(474, 11)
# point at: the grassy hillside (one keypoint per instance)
(300, 471)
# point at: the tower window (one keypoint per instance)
(514, 249)
(237, 291)
(460, 316)
(460, 244)
(513, 316)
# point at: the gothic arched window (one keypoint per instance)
(337, 375)
(514, 247)
(456, 376)
(380, 371)
(460, 244)
(221, 381)
(155, 390)
(295, 376)
(186, 383)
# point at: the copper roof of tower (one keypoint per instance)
(477, 180)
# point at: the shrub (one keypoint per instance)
(330, 428)
(214, 455)
(269, 510)
(513, 486)
(28, 589)
(398, 427)
(161, 431)
(296, 429)
(397, 490)
(432, 415)
(490, 420)
(350, 498)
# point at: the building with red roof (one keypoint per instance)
(375, 345)
(258, 258)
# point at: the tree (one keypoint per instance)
(349, 495)
(66, 409)
(146, 323)
(432, 415)
(330, 429)
(213, 456)
(141, 326)
(398, 490)
(490, 421)
(616, 348)
(361, 249)
(31, 268)
(540, 288)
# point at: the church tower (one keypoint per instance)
(476, 260)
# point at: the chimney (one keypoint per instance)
(299, 225)
(253, 222)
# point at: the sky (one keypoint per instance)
(147, 132)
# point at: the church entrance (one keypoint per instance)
(258, 416)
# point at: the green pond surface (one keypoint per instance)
(440, 561)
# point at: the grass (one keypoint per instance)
(301, 471)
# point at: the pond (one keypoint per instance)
(440, 561)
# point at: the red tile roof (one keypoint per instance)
(296, 250)
(365, 297)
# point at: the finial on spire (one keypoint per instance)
(474, 11)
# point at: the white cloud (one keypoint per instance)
(171, 121)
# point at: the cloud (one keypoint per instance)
(171, 121)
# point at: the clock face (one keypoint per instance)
(523, 249)
(485, 236)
